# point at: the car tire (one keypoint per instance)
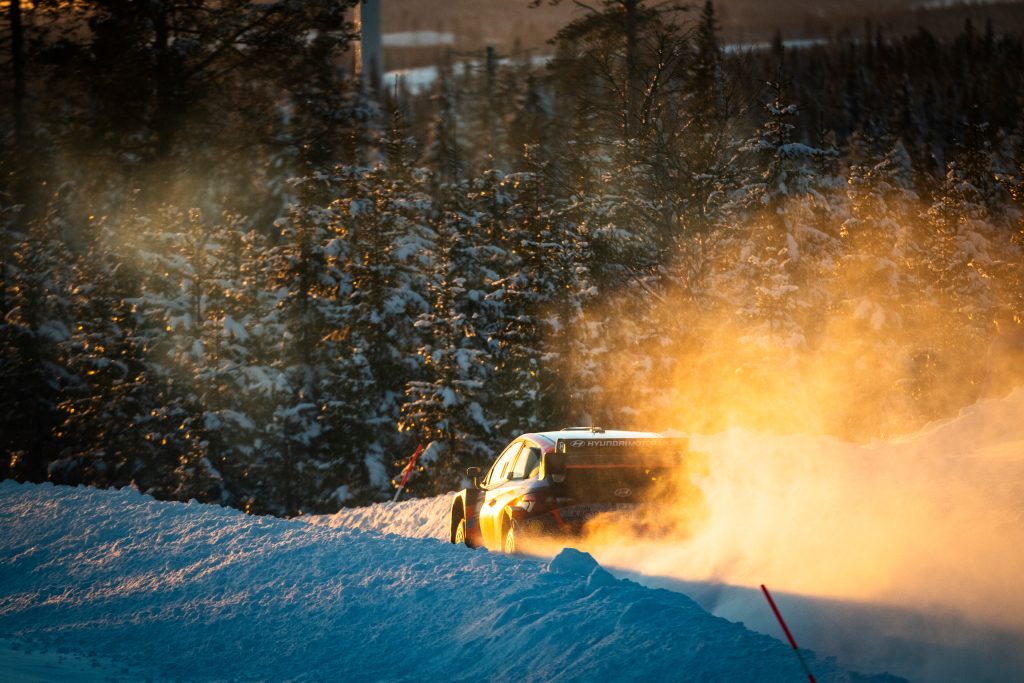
(510, 541)
(460, 532)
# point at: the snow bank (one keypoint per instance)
(418, 518)
(194, 592)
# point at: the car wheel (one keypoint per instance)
(460, 532)
(510, 545)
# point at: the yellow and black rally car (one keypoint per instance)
(552, 483)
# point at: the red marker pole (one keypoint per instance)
(792, 641)
(407, 471)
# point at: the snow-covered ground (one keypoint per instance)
(927, 532)
(111, 582)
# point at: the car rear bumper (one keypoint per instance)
(566, 520)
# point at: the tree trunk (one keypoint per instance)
(634, 87)
(23, 186)
(18, 64)
(164, 86)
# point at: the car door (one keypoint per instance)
(495, 490)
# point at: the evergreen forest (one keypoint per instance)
(233, 271)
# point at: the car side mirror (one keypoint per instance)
(474, 476)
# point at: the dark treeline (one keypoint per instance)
(229, 274)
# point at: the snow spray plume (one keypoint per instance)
(860, 324)
(797, 351)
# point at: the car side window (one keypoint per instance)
(499, 472)
(533, 463)
(526, 463)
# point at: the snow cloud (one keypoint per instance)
(926, 527)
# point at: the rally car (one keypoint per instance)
(552, 483)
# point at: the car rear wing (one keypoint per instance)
(650, 453)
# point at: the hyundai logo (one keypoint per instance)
(577, 444)
(623, 492)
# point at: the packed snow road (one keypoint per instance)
(114, 583)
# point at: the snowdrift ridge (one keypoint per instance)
(194, 592)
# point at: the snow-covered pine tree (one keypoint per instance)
(576, 351)
(109, 401)
(444, 407)
(528, 123)
(522, 294)
(444, 150)
(784, 181)
(960, 224)
(314, 458)
(958, 260)
(242, 371)
(177, 255)
(35, 319)
(874, 292)
(878, 238)
(708, 155)
(385, 216)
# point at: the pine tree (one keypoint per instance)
(35, 321)
(445, 146)
(109, 403)
(445, 409)
(523, 293)
(314, 461)
(385, 217)
(710, 149)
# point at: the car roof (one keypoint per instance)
(553, 437)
